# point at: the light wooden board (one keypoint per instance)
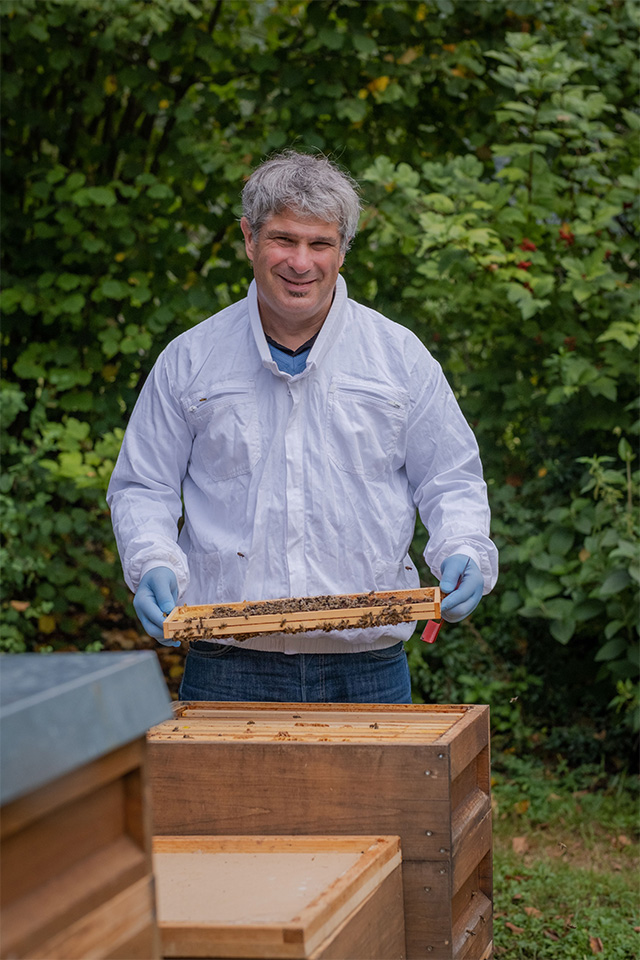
(201, 622)
(266, 896)
(213, 722)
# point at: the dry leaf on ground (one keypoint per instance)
(519, 844)
(533, 912)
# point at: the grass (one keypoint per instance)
(566, 854)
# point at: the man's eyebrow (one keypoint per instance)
(273, 233)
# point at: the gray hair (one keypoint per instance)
(312, 186)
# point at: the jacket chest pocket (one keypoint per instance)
(365, 426)
(224, 420)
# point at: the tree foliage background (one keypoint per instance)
(497, 148)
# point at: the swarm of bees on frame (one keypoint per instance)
(389, 613)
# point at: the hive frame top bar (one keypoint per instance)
(352, 610)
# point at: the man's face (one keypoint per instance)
(296, 262)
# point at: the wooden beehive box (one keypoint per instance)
(419, 772)
(75, 837)
(303, 898)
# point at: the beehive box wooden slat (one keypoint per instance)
(421, 772)
(76, 865)
(280, 897)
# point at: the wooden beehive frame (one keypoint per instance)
(290, 932)
(349, 610)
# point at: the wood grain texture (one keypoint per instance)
(299, 788)
(421, 772)
(375, 932)
(33, 806)
(71, 846)
(54, 905)
(262, 919)
(473, 932)
(120, 924)
(467, 739)
(390, 606)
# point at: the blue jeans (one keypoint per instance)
(217, 672)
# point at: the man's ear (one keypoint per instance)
(249, 243)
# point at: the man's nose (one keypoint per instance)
(300, 258)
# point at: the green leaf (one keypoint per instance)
(68, 281)
(561, 541)
(559, 609)
(331, 38)
(72, 304)
(159, 191)
(364, 44)
(611, 650)
(351, 109)
(616, 582)
(115, 289)
(562, 631)
(98, 196)
(10, 297)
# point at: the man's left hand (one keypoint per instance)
(463, 582)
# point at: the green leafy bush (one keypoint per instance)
(518, 272)
(497, 147)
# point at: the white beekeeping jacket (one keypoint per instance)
(298, 485)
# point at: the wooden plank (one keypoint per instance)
(19, 813)
(143, 945)
(485, 874)
(469, 737)
(372, 733)
(104, 931)
(64, 899)
(202, 621)
(427, 910)
(464, 784)
(375, 932)
(343, 712)
(466, 908)
(472, 934)
(299, 788)
(213, 722)
(471, 836)
(384, 848)
(56, 842)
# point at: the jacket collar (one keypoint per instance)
(326, 337)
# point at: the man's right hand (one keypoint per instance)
(155, 598)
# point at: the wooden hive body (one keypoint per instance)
(75, 828)
(419, 772)
(282, 898)
(76, 865)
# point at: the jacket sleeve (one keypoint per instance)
(444, 470)
(145, 489)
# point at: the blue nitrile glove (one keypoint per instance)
(463, 582)
(156, 596)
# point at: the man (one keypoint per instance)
(297, 432)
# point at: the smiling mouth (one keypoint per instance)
(297, 287)
(297, 283)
